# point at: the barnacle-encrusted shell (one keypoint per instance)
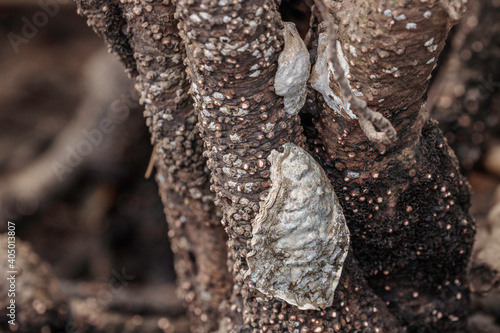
(300, 238)
(293, 70)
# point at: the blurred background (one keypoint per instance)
(92, 217)
(91, 234)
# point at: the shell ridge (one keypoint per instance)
(265, 205)
(273, 191)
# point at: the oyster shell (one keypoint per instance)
(320, 76)
(293, 70)
(300, 237)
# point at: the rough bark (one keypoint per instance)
(106, 19)
(232, 51)
(406, 204)
(148, 29)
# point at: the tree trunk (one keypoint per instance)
(406, 204)
(145, 36)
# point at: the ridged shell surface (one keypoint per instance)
(300, 237)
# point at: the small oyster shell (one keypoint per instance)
(293, 70)
(300, 237)
(320, 76)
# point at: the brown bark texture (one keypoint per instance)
(406, 204)
(149, 31)
(241, 121)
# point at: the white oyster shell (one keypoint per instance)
(293, 70)
(300, 237)
(322, 74)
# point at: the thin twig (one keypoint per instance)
(151, 164)
(368, 119)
